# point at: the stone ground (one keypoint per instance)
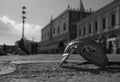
(51, 71)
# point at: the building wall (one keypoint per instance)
(74, 18)
(45, 33)
(49, 45)
(58, 29)
(63, 27)
(105, 21)
(59, 26)
(98, 17)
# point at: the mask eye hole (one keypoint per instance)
(89, 49)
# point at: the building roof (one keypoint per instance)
(101, 10)
(82, 9)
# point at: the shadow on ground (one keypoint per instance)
(111, 67)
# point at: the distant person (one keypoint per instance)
(110, 47)
(36, 48)
(103, 42)
(5, 49)
(32, 48)
(61, 46)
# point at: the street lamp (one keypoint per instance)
(23, 21)
(23, 17)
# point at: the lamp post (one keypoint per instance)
(23, 21)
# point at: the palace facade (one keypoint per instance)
(106, 22)
(62, 28)
(72, 24)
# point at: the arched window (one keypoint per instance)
(90, 30)
(48, 34)
(96, 26)
(53, 30)
(79, 31)
(58, 30)
(113, 19)
(103, 23)
(84, 30)
(64, 27)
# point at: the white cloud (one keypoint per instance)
(7, 20)
(31, 30)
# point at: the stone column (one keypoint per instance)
(99, 24)
(107, 21)
(118, 16)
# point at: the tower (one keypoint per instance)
(82, 6)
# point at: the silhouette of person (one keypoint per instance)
(110, 47)
(61, 46)
(103, 42)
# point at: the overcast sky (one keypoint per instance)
(38, 15)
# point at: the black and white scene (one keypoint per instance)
(59, 40)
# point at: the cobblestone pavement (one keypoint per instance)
(28, 69)
(71, 72)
